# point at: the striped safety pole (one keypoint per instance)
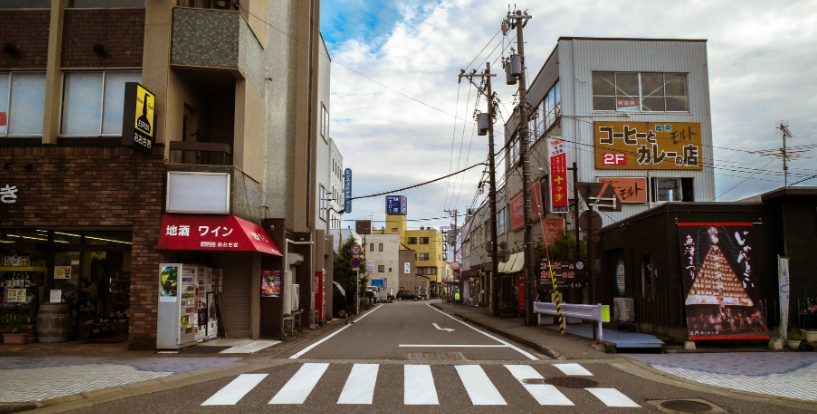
(558, 299)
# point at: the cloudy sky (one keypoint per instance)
(395, 90)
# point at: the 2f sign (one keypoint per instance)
(614, 158)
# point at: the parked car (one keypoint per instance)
(406, 295)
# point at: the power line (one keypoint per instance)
(417, 185)
(747, 178)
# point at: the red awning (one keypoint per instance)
(216, 233)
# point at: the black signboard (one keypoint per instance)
(139, 118)
(569, 275)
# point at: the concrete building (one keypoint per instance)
(383, 250)
(336, 185)
(234, 118)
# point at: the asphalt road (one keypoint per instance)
(363, 368)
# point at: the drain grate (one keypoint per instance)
(456, 356)
(572, 382)
(686, 406)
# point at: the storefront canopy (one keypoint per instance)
(500, 268)
(516, 263)
(214, 233)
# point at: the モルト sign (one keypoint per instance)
(139, 118)
(647, 145)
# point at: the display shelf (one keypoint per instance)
(21, 269)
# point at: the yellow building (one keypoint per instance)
(427, 242)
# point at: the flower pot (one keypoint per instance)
(14, 338)
(793, 344)
(809, 335)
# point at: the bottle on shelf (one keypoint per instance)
(27, 282)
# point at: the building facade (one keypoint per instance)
(383, 250)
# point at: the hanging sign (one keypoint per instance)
(347, 190)
(139, 119)
(537, 202)
(620, 279)
(558, 176)
(517, 212)
(722, 289)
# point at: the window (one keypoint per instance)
(25, 4)
(92, 102)
(324, 121)
(389, 270)
(644, 92)
(672, 189)
(380, 247)
(548, 111)
(514, 150)
(424, 256)
(500, 222)
(22, 102)
(324, 203)
(412, 240)
(423, 240)
(98, 4)
(381, 268)
(371, 247)
(395, 230)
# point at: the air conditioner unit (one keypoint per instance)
(623, 309)
(296, 297)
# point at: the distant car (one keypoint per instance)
(404, 294)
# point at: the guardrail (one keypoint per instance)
(596, 313)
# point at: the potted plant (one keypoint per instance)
(794, 340)
(810, 335)
(15, 318)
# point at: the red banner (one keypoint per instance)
(558, 177)
(517, 212)
(219, 233)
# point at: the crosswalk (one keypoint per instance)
(418, 386)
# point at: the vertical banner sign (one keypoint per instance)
(517, 212)
(139, 119)
(537, 203)
(558, 176)
(722, 291)
(783, 283)
(347, 190)
(520, 294)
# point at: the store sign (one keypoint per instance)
(139, 119)
(568, 275)
(517, 212)
(722, 289)
(220, 233)
(407, 268)
(628, 189)
(347, 190)
(396, 205)
(8, 194)
(648, 145)
(558, 176)
(198, 192)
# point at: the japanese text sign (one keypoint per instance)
(517, 212)
(8, 194)
(396, 205)
(648, 145)
(628, 189)
(558, 176)
(568, 275)
(224, 233)
(139, 120)
(347, 190)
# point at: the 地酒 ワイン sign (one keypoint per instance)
(647, 145)
(139, 119)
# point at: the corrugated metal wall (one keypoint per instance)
(235, 297)
(578, 58)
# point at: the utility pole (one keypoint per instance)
(518, 20)
(454, 236)
(486, 76)
(783, 127)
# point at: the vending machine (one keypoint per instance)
(177, 320)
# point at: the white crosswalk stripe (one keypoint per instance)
(300, 385)
(545, 394)
(418, 386)
(359, 388)
(479, 386)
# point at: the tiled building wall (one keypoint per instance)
(95, 187)
(206, 38)
(27, 30)
(120, 31)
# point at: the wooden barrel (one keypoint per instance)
(53, 322)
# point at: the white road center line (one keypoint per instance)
(298, 387)
(419, 386)
(545, 394)
(612, 397)
(359, 388)
(517, 349)
(235, 390)
(310, 347)
(479, 387)
(573, 369)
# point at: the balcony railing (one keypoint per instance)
(209, 4)
(200, 153)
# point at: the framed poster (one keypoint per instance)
(62, 272)
(271, 284)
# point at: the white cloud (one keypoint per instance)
(761, 60)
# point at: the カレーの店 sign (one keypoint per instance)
(647, 145)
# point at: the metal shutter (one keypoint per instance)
(235, 298)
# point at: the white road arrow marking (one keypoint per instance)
(443, 329)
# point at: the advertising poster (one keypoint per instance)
(271, 284)
(16, 295)
(721, 288)
(56, 296)
(630, 145)
(168, 281)
(783, 286)
(62, 272)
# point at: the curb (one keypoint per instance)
(6, 408)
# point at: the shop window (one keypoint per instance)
(102, 4)
(381, 268)
(22, 102)
(412, 240)
(93, 102)
(673, 189)
(25, 4)
(380, 247)
(423, 240)
(640, 92)
(647, 273)
(424, 256)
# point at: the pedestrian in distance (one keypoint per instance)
(350, 304)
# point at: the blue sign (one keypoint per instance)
(347, 190)
(355, 262)
(377, 282)
(396, 205)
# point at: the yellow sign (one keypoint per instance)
(145, 102)
(648, 145)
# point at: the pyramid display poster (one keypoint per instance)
(721, 288)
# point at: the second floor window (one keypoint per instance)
(371, 247)
(381, 268)
(380, 247)
(423, 256)
(640, 92)
(412, 240)
(92, 103)
(423, 240)
(22, 103)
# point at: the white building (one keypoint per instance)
(383, 251)
(336, 185)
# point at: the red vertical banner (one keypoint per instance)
(520, 285)
(517, 212)
(319, 295)
(558, 176)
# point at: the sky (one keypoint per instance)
(400, 117)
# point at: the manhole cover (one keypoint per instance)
(686, 406)
(572, 382)
(533, 381)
